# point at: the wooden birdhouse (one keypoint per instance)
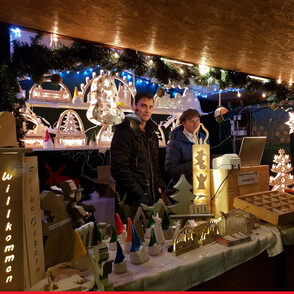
(235, 221)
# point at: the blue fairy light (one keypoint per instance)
(16, 32)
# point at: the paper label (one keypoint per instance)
(248, 178)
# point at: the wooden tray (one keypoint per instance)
(275, 207)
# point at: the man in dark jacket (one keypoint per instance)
(134, 157)
(178, 158)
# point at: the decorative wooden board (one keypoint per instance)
(275, 207)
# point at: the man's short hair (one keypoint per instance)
(141, 95)
(188, 114)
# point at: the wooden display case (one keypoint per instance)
(240, 182)
(275, 207)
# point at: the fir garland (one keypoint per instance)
(36, 59)
(10, 98)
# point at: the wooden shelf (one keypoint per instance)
(70, 149)
(48, 104)
(85, 106)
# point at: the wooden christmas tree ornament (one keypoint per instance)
(282, 168)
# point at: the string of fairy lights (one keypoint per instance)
(177, 66)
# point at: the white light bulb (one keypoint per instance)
(203, 69)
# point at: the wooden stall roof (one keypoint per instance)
(256, 37)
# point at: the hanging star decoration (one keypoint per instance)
(290, 122)
(106, 83)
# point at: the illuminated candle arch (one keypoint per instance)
(37, 93)
(70, 130)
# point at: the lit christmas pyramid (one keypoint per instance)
(128, 241)
(120, 263)
(283, 167)
(138, 253)
(113, 239)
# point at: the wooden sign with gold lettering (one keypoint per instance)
(22, 262)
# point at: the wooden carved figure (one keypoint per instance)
(158, 230)
(201, 181)
(101, 266)
(151, 224)
(128, 242)
(140, 215)
(138, 252)
(74, 195)
(58, 228)
(120, 229)
(120, 262)
(153, 247)
(158, 207)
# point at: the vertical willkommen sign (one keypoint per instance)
(11, 217)
(21, 248)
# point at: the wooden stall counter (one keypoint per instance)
(239, 182)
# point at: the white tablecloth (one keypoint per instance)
(105, 209)
(287, 234)
(167, 272)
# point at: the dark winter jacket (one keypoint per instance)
(134, 162)
(178, 158)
